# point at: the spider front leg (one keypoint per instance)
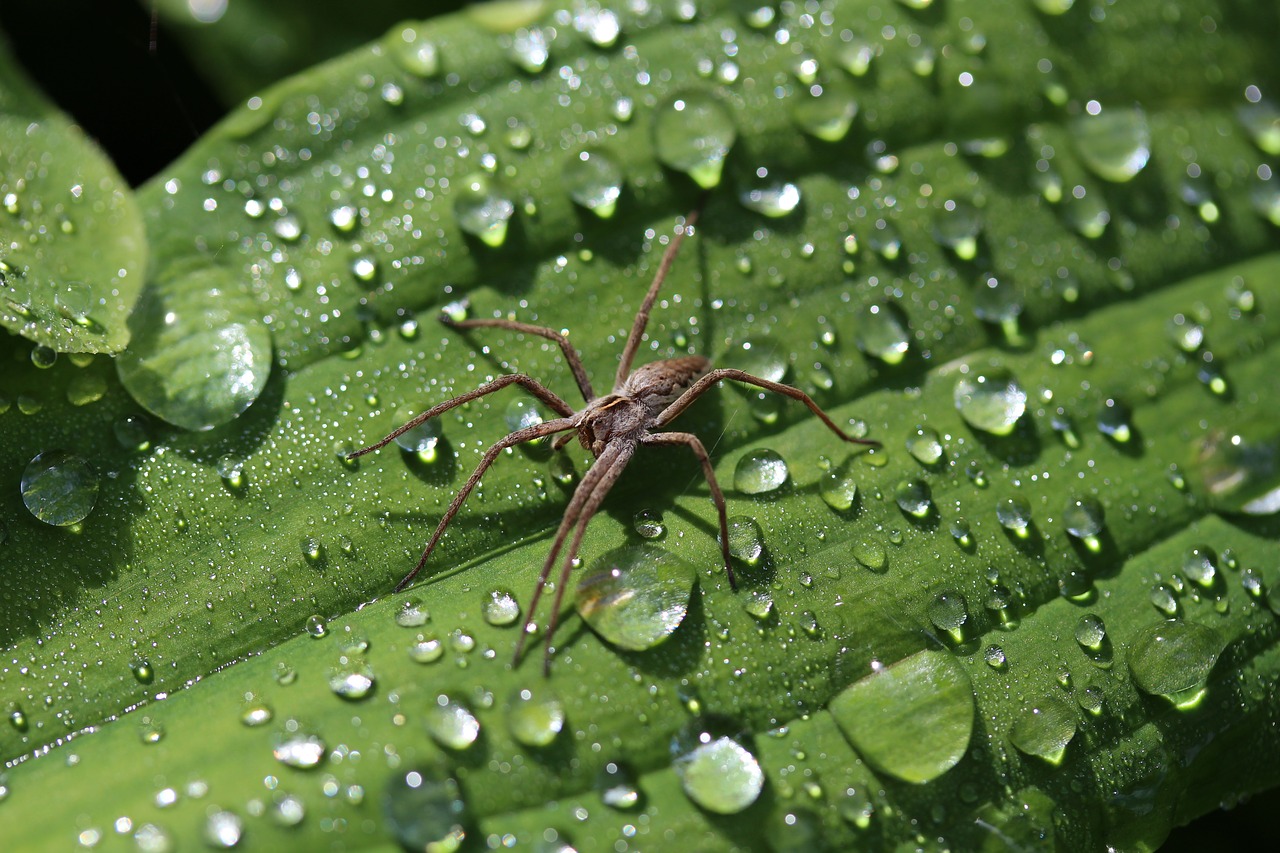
(717, 496)
(526, 434)
(570, 354)
(530, 384)
(704, 384)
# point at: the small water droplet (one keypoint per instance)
(1114, 421)
(1045, 729)
(759, 604)
(535, 716)
(1261, 120)
(1083, 518)
(1014, 514)
(1200, 565)
(1115, 143)
(59, 488)
(413, 51)
(746, 539)
(759, 472)
(693, 133)
(949, 613)
(648, 524)
(593, 179)
(426, 649)
(231, 469)
(353, 680)
(500, 608)
(838, 488)
(957, 226)
(914, 498)
(422, 441)
(296, 747)
(962, 532)
(256, 713)
(1091, 633)
(769, 196)
(483, 209)
(150, 730)
(883, 333)
(451, 724)
(142, 671)
(826, 111)
(316, 627)
(991, 401)
(618, 786)
(718, 772)
(223, 829)
(995, 657)
(925, 445)
(425, 810)
(635, 597)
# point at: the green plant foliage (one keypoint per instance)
(72, 249)
(1027, 250)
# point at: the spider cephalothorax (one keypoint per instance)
(610, 426)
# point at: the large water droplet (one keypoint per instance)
(425, 810)
(912, 719)
(914, 498)
(535, 716)
(483, 209)
(1014, 514)
(1083, 517)
(594, 180)
(925, 445)
(746, 539)
(1114, 143)
(200, 354)
(451, 724)
(693, 133)
(297, 747)
(718, 772)
(353, 681)
(759, 472)
(991, 401)
(422, 441)
(500, 608)
(1241, 471)
(826, 111)
(883, 333)
(949, 613)
(59, 488)
(1173, 659)
(635, 597)
(1045, 729)
(838, 488)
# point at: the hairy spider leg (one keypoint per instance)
(613, 469)
(571, 355)
(642, 316)
(572, 512)
(697, 389)
(520, 435)
(717, 497)
(528, 382)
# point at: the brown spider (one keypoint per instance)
(610, 426)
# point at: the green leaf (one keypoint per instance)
(72, 250)
(1133, 314)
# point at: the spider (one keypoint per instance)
(610, 426)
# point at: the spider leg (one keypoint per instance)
(570, 354)
(571, 513)
(642, 316)
(612, 471)
(529, 383)
(717, 496)
(526, 434)
(700, 387)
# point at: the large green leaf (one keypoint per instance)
(72, 251)
(204, 549)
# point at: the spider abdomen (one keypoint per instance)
(658, 383)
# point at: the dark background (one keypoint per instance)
(129, 83)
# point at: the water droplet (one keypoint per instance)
(150, 838)
(949, 613)
(883, 333)
(352, 681)
(759, 472)
(230, 469)
(530, 50)
(648, 524)
(914, 498)
(223, 829)
(200, 354)
(412, 614)
(693, 133)
(1014, 514)
(769, 196)
(150, 731)
(838, 488)
(826, 111)
(1114, 143)
(535, 716)
(500, 608)
(746, 539)
(1091, 633)
(132, 432)
(618, 786)
(483, 209)
(925, 445)
(1114, 421)
(593, 179)
(425, 810)
(451, 724)
(1173, 659)
(957, 226)
(142, 671)
(316, 627)
(1186, 334)
(313, 551)
(871, 554)
(911, 719)
(962, 532)
(59, 488)
(1083, 518)
(635, 597)
(717, 772)
(1261, 119)
(297, 747)
(344, 218)
(422, 441)
(1200, 565)
(999, 302)
(995, 657)
(256, 713)
(759, 604)
(1045, 729)
(991, 401)
(426, 649)
(413, 51)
